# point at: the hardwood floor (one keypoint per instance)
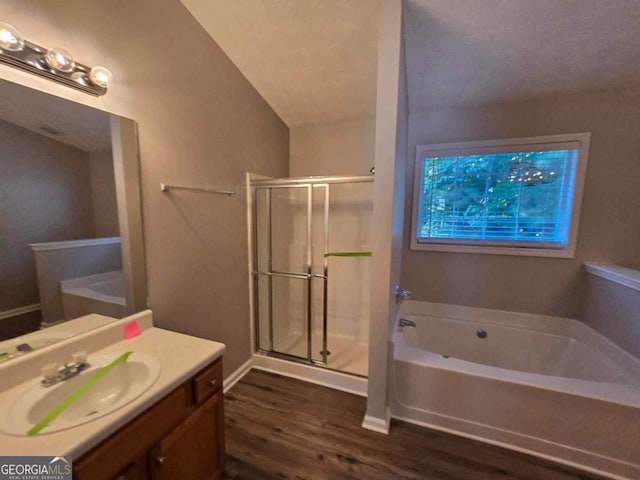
(281, 428)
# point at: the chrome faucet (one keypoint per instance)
(406, 323)
(402, 294)
(54, 373)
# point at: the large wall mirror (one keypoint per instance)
(71, 244)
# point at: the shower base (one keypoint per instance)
(347, 355)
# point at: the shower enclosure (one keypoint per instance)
(312, 248)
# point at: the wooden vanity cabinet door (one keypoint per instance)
(195, 449)
(131, 443)
(181, 437)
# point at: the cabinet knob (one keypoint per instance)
(213, 383)
(160, 460)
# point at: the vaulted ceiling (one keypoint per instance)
(314, 61)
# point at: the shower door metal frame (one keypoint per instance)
(309, 276)
(309, 183)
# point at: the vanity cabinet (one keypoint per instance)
(180, 437)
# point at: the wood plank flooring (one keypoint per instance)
(281, 428)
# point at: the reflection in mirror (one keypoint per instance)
(71, 253)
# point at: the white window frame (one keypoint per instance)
(580, 141)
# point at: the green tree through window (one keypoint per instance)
(514, 196)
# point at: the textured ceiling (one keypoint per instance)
(76, 125)
(476, 52)
(313, 61)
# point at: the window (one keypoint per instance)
(516, 197)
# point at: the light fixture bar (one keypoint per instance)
(32, 59)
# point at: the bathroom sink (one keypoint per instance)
(123, 384)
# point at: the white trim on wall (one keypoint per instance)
(89, 242)
(237, 375)
(614, 273)
(380, 425)
(19, 311)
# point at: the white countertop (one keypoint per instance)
(181, 356)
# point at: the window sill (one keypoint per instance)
(494, 250)
(614, 273)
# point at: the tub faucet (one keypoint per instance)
(406, 323)
(54, 373)
(401, 294)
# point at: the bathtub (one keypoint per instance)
(103, 293)
(548, 386)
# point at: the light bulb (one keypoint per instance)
(10, 38)
(100, 76)
(60, 60)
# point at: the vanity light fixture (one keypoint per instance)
(53, 63)
(10, 38)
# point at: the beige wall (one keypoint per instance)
(45, 196)
(340, 148)
(103, 189)
(613, 310)
(610, 222)
(200, 123)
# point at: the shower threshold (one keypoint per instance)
(344, 355)
(301, 369)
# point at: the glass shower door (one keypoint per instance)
(350, 213)
(284, 274)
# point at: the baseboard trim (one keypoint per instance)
(19, 311)
(237, 375)
(319, 376)
(375, 424)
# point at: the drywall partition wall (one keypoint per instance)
(388, 204)
(45, 196)
(103, 188)
(337, 148)
(609, 225)
(613, 310)
(199, 123)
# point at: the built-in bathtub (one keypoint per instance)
(103, 293)
(546, 385)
